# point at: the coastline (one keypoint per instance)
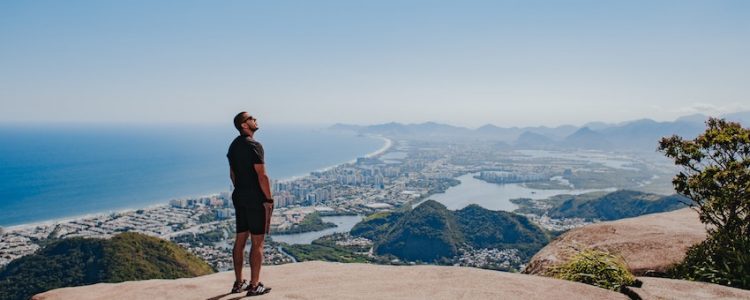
(83, 216)
(20, 227)
(388, 143)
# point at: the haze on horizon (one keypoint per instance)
(467, 63)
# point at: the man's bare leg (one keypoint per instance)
(256, 257)
(237, 254)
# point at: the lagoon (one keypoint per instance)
(343, 224)
(495, 196)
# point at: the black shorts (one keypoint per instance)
(250, 219)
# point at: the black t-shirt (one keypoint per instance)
(244, 153)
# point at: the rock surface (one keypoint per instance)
(662, 288)
(649, 244)
(323, 280)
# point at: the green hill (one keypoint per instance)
(616, 205)
(484, 228)
(426, 233)
(431, 232)
(81, 261)
(376, 226)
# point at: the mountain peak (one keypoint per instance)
(307, 280)
(324, 280)
(584, 131)
(487, 127)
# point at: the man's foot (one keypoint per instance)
(258, 290)
(239, 286)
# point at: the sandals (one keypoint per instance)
(240, 286)
(258, 290)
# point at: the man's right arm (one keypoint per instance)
(265, 184)
(231, 176)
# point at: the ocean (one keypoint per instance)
(50, 172)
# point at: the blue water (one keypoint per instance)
(53, 171)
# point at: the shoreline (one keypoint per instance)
(388, 144)
(19, 227)
(83, 216)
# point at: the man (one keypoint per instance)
(252, 201)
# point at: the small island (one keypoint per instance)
(311, 222)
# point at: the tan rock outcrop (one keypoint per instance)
(649, 243)
(662, 288)
(324, 280)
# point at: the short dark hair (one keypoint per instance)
(239, 119)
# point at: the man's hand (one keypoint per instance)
(269, 211)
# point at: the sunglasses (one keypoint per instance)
(249, 118)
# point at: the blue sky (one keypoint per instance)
(509, 63)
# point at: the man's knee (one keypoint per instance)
(257, 241)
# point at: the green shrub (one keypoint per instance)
(720, 260)
(596, 268)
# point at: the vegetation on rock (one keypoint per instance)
(596, 268)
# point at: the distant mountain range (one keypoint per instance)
(637, 135)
